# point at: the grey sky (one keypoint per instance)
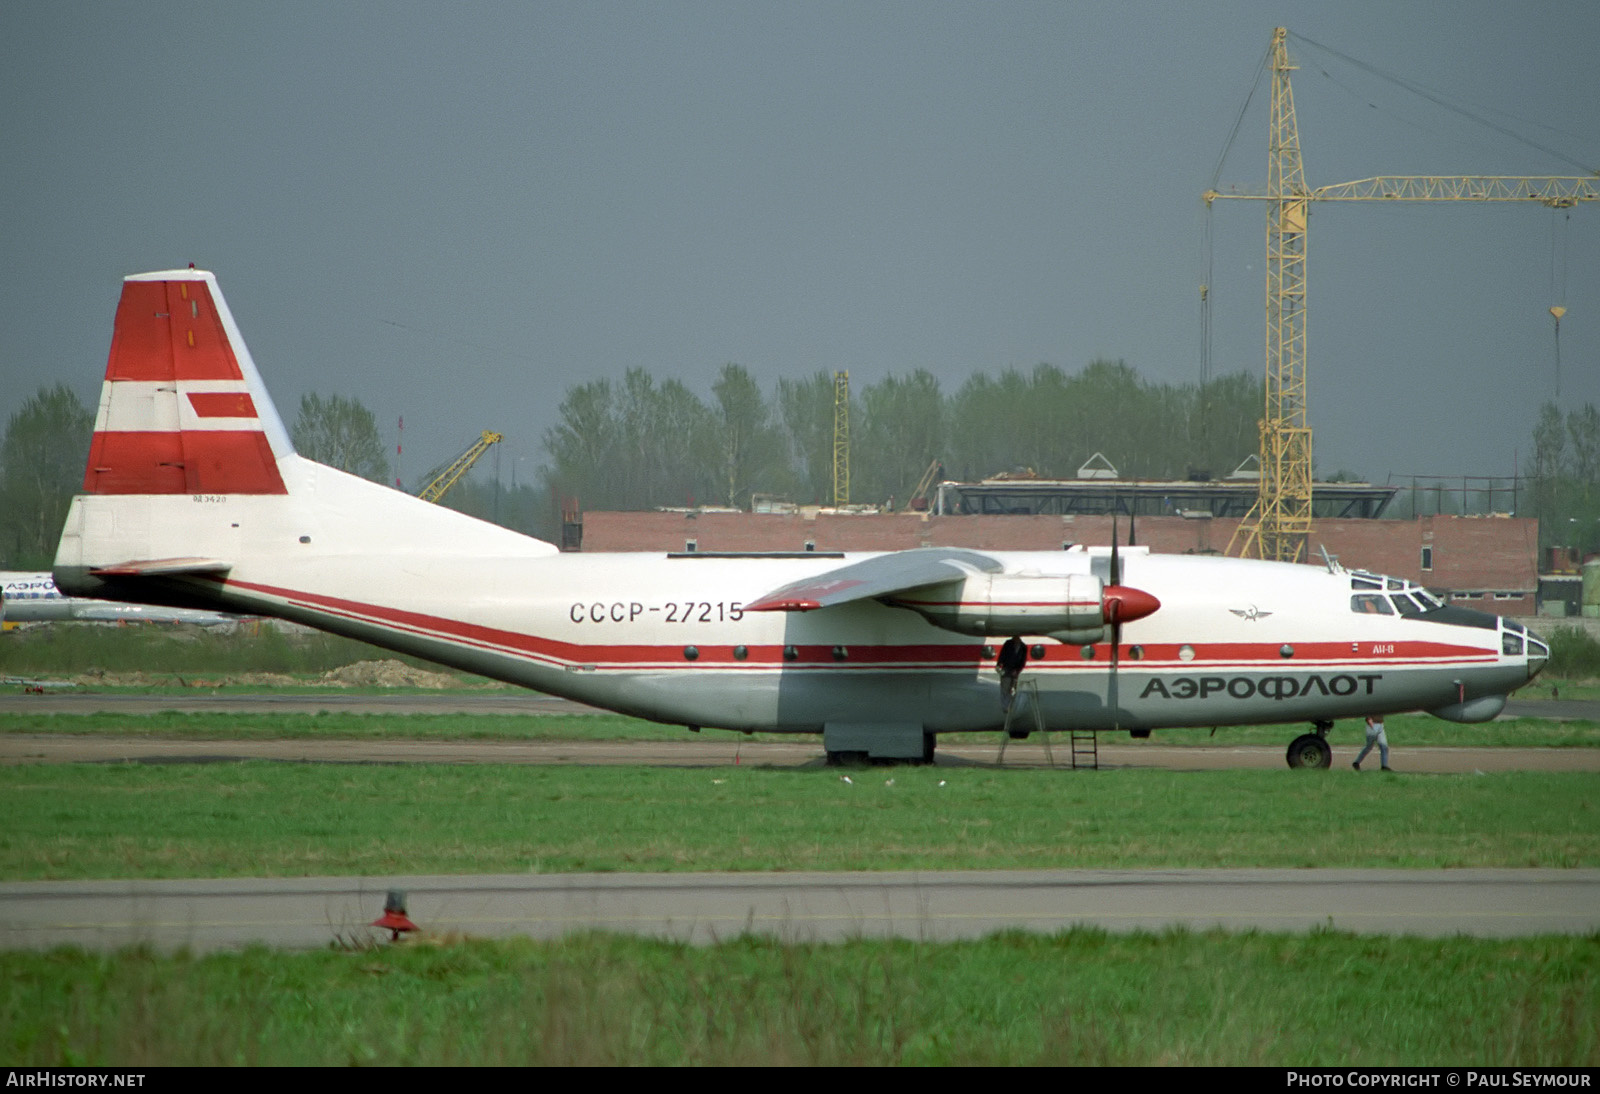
(454, 211)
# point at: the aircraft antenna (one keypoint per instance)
(1280, 520)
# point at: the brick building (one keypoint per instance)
(1483, 562)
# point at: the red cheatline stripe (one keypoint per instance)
(190, 462)
(996, 603)
(1309, 656)
(222, 404)
(169, 330)
(512, 641)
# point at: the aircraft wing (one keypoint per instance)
(875, 577)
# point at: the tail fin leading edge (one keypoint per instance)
(182, 409)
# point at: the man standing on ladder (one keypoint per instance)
(1012, 660)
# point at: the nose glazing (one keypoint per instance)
(1517, 639)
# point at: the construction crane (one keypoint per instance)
(1280, 520)
(841, 438)
(442, 479)
(919, 496)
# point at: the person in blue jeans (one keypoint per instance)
(1375, 736)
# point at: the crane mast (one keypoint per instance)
(841, 438)
(1280, 520)
(1283, 500)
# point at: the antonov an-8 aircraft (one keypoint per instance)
(194, 497)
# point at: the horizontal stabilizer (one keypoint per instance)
(164, 567)
(876, 577)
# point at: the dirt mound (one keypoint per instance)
(387, 674)
(167, 679)
(362, 674)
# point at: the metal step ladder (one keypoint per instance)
(1029, 687)
(1085, 750)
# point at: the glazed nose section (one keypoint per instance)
(1538, 655)
(1517, 641)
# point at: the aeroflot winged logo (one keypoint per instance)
(1252, 613)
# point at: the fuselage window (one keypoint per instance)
(1370, 604)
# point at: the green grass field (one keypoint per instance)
(1081, 997)
(275, 819)
(72, 648)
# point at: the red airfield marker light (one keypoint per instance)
(394, 917)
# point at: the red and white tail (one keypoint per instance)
(182, 410)
(195, 497)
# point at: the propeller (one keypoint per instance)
(1121, 604)
(1113, 615)
(1116, 562)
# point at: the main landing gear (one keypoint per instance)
(860, 757)
(1311, 750)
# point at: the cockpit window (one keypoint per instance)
(1406, 605)
(1406, 597)
(1510, 644)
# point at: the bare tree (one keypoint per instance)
(341, 433)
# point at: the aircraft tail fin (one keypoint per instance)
(182, 409)
(194, 492)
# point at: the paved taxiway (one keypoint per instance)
(723, 749)
(702, 908)
(708, 749)
(494, 702)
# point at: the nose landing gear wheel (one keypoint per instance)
(1309, 751)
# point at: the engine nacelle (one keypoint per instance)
(1067, 607)
(1482, 709)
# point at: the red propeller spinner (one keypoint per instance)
(1124, 604)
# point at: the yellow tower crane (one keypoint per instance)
(1279, 522)
(440, 480)
(841, 438)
